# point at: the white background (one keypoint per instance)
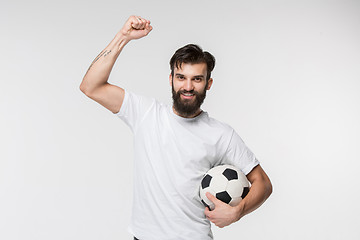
(287, 79)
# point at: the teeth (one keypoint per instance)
(188, 94)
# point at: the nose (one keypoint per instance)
(188, 85)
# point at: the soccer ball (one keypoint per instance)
(226, 183)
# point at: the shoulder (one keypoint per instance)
(136, 104)
(219, 124)
(138, 100)
(132, 96)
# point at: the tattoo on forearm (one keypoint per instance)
(103, 53)
(107, 53)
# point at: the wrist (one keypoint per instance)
(240, 210)
(120, 40)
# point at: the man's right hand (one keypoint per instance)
(135, 27)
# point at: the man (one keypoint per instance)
(175, 145)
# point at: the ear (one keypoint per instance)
(170, 80)
(210, 82)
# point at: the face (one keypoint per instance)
(189, 88)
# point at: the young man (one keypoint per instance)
(175, 145)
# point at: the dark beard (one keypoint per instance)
(187, 108)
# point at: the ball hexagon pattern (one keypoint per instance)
(226, 183)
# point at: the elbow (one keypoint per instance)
(269, 189)
(84, 88)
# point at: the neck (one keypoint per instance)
(197, 113)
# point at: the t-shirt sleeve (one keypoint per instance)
(239, 155)
(133, 109)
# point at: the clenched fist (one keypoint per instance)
(135, 27)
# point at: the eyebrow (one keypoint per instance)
(197, 76)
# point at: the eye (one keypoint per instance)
(180, 77)
(198, 79)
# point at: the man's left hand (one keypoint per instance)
(223, 214)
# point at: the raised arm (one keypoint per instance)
(95, 82)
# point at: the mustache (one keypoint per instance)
(191, 92)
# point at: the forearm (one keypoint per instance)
(255, 198)
(261, 189)
(99, 70)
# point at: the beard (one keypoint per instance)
(187, 107)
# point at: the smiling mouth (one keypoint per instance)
(187, 95)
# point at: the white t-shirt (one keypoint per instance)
(172, 154)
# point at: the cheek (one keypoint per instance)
(176, 86)
(200, 88)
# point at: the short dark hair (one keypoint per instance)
(192, 54)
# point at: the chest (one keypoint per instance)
(192, 145)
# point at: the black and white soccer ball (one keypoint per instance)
(226, 183)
